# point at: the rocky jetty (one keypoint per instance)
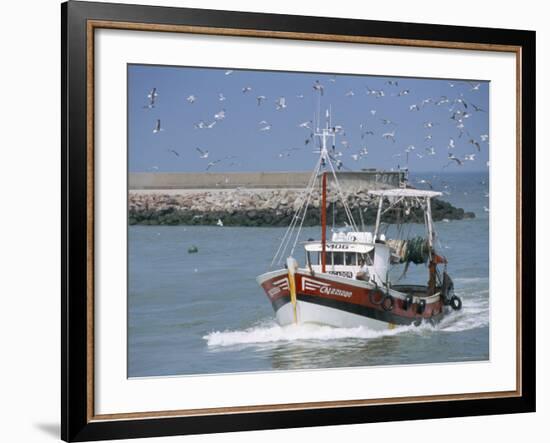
(242, 207)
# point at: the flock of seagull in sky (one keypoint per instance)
(455, 108)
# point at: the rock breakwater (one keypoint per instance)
(241, 207)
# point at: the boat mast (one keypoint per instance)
(378, 216)
(323, 134)
(324, 224)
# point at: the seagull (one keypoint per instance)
(414, 107)
(229, 72)
(317, 86)
(462, 102)
(475, 143)
(266, 127)
(300, 96)
(475, 86)
(428, 137)
(350, 93)
(455, 159)
(426, 182)
(442, 100)
(212, 163)
(427, 101)
(203, 154)
(404, 92)
(410, 148)
(305, 125)
(280, 103)
(484, 137)
(219, 223)
(153, 94)
(174, 152)
(203, 125)
(157, 128)
(451, 143)
(152, 97)
(220, 115)
(429, 125)
(376, 93)
(477, 108)
(392, 82)
(385, 121)
(221, 97)
(389, 136)
(260, 99)
(373, 111)
(191, 99)
(485, 208)
(246, 89)
(430, 150)
(469, 157)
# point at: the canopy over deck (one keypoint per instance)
(405, 193)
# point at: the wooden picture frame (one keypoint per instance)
(79, 22)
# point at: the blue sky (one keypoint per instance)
(236, 143)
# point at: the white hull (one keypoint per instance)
(313, 313)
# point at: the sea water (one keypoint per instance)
(204, 313)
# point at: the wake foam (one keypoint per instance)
(271, 332)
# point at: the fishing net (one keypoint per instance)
(417, 251)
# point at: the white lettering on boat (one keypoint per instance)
(337, 246)
(328, 290)
(346, 274)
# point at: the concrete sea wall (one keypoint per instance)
(258, 180)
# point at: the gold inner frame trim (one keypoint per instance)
(98, 24)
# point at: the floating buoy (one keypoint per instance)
(192, 249)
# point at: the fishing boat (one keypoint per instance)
(345, 280)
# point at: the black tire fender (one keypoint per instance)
(455, 303)
(387, 302)
(421, 307)
(373, 294)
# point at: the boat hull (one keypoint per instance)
(340, 302)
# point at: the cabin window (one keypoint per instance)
(351, 258)
(368, 257)
(337, 258)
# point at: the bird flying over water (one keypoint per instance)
(152, 96)
(260, 99)
(203, 154)
(280, 103)
(157, 128)
(212, 164)
(455, 159)
(191, 99)
(475, 143)
(246, 89)
(389, 136)
(220, 115)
